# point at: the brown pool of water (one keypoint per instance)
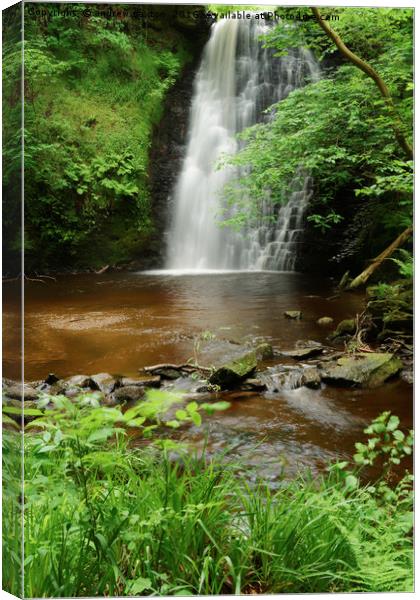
(121, 322)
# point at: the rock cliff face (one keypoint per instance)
(168, 144)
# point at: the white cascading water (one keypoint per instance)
(236, 82)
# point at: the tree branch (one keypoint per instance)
(376, 262)
(370, 72)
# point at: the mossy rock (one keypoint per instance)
(264, 351)
(362, 370)
(232, 373)
(345, 327)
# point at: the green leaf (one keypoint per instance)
(139, 585)
(30, 412)
(341, 465)
(45, 449)
(215, 406)
(101, 434)
(359, 458)
(351, 482)
(46, 437)
(379, 427)
(7, 420)
(398, 435)
(136, 422)
(58, 437)
(393, 423)
(181, 415)
(131, 413)
(196, 418)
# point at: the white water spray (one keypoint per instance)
(236, 82)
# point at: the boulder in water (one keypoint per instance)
(362, 370)
(293, 314)
(311, 378)
(232, 373)
(345, 327)
(325, 321)
(264, 351)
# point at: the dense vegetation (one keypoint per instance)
(340, 130)
(104, 518)
(94, 89)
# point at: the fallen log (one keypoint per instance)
(376, 262)
(182, 367)
(103, 270)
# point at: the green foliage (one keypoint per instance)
(391, 304)
(405, 263)
(94, 89)
(324, 222)
(338, 129)
(104, 517)
(386, 440)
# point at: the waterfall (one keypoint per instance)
(237, 80)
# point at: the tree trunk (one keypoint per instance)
(370, 71)
(364, 276)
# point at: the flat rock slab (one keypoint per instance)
(362, 370)
(215, 353)
(165, 371)
(16, 391)
(302, 353)
(152, 381)
(255, 385)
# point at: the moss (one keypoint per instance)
(345, 327)
(231, 373)
(391, 308)
(364, 370)
(104, 94)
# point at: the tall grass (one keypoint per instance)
(102, 518)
